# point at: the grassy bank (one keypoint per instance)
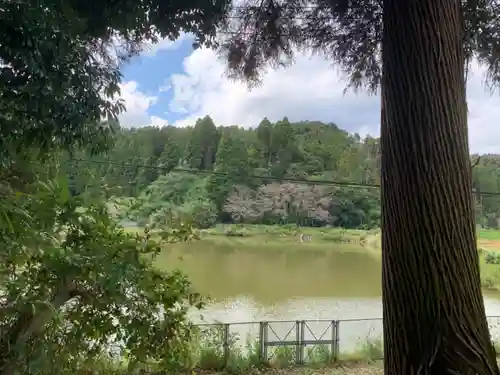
(287, 237)
(489, 255)
(207, 355)
(283, 236)
(283, 239)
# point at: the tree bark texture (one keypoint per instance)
(434, 315)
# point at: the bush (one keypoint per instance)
(492, 257)
(203, 213)
(236, 232)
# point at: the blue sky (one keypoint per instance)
(152, 72)
(311, 89)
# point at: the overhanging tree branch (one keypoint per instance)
(32, 321)
(349, 33)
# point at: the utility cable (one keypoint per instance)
(250, 176)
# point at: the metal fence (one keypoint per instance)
(302, 341)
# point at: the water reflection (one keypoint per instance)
(277, 276)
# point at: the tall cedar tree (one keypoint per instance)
(434, 316)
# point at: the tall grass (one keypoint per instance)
(489, 234)
(210, 357)
(210, 353)
(235, 359)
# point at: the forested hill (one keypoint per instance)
(227, 163)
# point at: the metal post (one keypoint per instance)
(332, 347)
(266, 329)
(226, 344)
(336, 352)
(298, 342)
(261, 342)
(302, 341)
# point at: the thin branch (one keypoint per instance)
(476, 162)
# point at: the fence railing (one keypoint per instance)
(298, 342)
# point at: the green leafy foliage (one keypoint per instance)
(60, 63)
(492, 257)
(486, 178)
(75, 285)
(174, 199)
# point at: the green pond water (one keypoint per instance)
(249, 283)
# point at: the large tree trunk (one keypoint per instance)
(434, 316)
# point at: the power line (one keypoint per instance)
(298, 7)
(212, 173)
(269, 178)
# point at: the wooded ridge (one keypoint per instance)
(239, 175)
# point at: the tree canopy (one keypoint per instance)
(61, 63)
(347, 32)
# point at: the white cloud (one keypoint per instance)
(165, 88)
(164, 44)
(309, 90)
(158, 121)
(137, 104)
(484, 110)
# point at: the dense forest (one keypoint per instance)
(208, 173)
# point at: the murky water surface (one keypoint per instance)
(252, 284)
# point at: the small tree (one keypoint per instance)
(166, 193)
(69, 280)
